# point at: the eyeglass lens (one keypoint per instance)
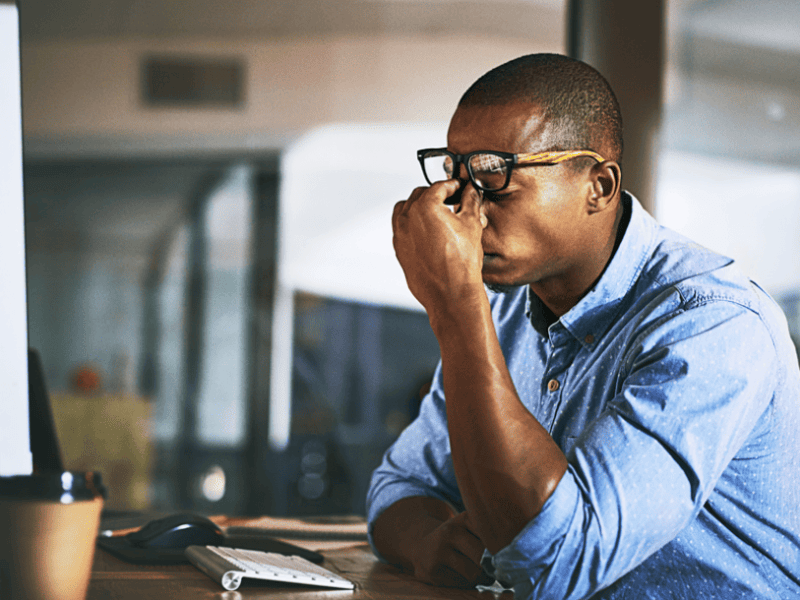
(488, 170)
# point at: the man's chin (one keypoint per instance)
(493, 269)
(501, 288)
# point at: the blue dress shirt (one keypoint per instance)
(673, 389)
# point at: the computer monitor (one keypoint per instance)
(15, 454)
(45, 447)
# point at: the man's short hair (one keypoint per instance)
(575, 97)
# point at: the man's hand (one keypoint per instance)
(450, 555)
(440, 249)
(424, 535)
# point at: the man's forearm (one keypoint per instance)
(506, 463)
(399, 528)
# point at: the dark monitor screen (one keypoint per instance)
(44, 440)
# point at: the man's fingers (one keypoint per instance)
(470, 202)
(466, 540)
(396, 211)
(438, 193)
(467, 549)
(459, 573)
(470, 545)
(445, 189)
(435, 194)
(453, 570)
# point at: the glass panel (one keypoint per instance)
(171, 315)
(356, 378)
(729, 174)
(223, 379)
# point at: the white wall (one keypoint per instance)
(89, 89)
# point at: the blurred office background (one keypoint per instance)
(208, 187)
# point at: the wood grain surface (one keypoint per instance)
(114, 579)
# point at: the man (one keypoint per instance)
(621, 420)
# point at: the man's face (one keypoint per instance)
(538, 227)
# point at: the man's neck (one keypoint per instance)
(560, 301)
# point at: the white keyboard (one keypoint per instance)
(228, 566)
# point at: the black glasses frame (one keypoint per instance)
(548, 157)
(464, 159)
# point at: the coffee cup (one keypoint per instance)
(48, 527)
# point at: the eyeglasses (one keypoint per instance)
(489, 171)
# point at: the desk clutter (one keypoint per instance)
(316, 533)
(164, 539)
(229, 550)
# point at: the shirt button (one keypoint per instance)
(553, 385)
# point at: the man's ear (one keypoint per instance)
(606, 179)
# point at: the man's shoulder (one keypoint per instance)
(697, 273)
(662, 259)
(699, 279)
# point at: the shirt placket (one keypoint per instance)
(556, 370)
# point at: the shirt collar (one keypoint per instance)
(588, 320)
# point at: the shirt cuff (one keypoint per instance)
(532, 552)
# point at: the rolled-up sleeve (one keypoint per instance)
(691, 390)
(418, 463)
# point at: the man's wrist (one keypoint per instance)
(452, 314)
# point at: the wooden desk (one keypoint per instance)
(114, 579)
